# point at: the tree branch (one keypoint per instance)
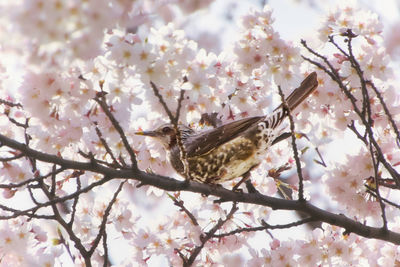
(265, 226)
(102, 102)
(294, 146)
(169, 184)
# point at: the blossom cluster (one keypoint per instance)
(58, 115)
(347, 179)
(177, 232)
(348, 187)
(348, 15)
(17, 235)
(231, 87)
(328, 246)
(76, 28)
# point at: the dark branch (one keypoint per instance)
(170, 184)
(294, 146)
(102, 102)
(264, 227)
(209, 235)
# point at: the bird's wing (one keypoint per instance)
(205, 142)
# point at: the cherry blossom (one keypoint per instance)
(79, 79)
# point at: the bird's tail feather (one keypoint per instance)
(307, 86)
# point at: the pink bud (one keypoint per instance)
(8, 193)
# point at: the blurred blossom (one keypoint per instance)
(69, 51)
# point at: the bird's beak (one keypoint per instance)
(147, 133)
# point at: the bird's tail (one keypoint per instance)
(307, 86)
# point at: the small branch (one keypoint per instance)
(294, 146)
(180, 204)
(183, 258)
(10, 104)
(53, 181)
(209, 235)
(32, 180)
(357, 133)
(105, 248)
(75, 203)
(102, 227)
(68, 228)
(174, 120)
(16, 123)
(355, 65)
(34, 209)
(373, 193)
(91, 157)
(332, 72)
(182, 150)
(162, 102)
(107, 147)
(265, 227)
(11, 158)
(65, 244)
(389, 183)
(101, 100)
(178, 109)
(387, 112)
(378, 194)
(321, 161)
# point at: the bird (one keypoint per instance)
(231, 150)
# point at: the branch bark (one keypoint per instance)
(170, 184)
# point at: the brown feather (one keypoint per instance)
(205, 142)
(307, 86)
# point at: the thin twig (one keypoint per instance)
(31, 180)
(209, 235)
(28, 212)
(294, 146)
(387, 112)
(266, 226)
(102, 228)
(102, 102)
(332, 72)
(378, 194)
(75, 203)
(10, 104)
(162, 102)
(107, 147)
(372, 192)
(11, 158)
(174, 120)
(181, 205)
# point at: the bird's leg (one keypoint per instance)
(245, 177)
(250, 187)
(281, 137)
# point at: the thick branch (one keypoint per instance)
(170, 184)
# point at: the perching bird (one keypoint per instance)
(231, 150)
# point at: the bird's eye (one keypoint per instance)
(166, 129)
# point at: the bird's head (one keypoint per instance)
(166, 134)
